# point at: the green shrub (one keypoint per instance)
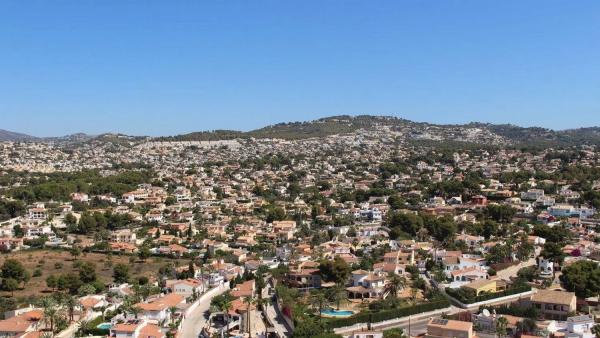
(470, 298)
(380, 316)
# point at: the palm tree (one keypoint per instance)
(501, 324)
(225, 307)
(596, 330)
(81, 327)
(50, 311)
(47, 335)
(172, 310)
(318, 298)
(249, 302)
(70, 303)
(337, 294)
(263, 302)
(396, 283)
(135, 311)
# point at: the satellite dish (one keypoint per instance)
(486, 312)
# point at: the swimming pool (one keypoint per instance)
(104, 326)
(337, 313)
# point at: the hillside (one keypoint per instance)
(401, 129)
(479, 133)
(6, 135)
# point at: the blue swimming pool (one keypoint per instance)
(337, 313)
(104, 326)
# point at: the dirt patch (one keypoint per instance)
(56, 262)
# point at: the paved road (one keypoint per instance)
(74, 326)
(274, 316)
(197, 319)
(417, 323)
(417, 327)
(278, 322)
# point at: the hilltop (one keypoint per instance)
(401, 129)
(479, 133)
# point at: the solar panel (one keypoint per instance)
(439, 321)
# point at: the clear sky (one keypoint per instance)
(166, 67)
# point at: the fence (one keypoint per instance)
(461, 297)
(374, 317)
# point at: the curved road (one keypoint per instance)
(197, 319)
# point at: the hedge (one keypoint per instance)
(487, 296)
(380, 316)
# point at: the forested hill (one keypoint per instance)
(340, 125)
(474, 133)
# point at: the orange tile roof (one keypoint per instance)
(151, 331)
(162, 303)
(125, 327)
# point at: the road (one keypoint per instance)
(197, 319)
(417, 327)
(417, 323)
(74, 326)
(275, 317)
(279, 324)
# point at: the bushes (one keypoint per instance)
(91, 328)
(466, 297)
(374, 317)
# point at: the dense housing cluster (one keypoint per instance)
(346, 234)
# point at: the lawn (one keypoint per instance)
(60, 261)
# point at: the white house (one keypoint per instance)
(185, 287)
(158, 310)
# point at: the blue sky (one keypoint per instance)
(168, 67)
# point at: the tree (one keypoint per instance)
(582, 277)
(121, 273)
(500, 213)
(75, 251)
(396, 283)
(525, 248)
(191, 270)
(501, 325)
(10, 284)
(86, 289)
(18, 231)
(225, 307)
(337, 270)
(556, 234)
(408, 223)
(394, 333)
(319, 299)
(13, 269)
(70, 303)
(527, 325)
(490, 228)
(87, 272)
(336, 294)
(307, 328)
(87, 223)
(51, 282)
(249, 301)
(144, 253)
(499, 253)
(553, 252)
(596, 330)
(50, 311)
(70, 220)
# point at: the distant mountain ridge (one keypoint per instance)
(345, 124)
(6, 135)
(474, 132)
